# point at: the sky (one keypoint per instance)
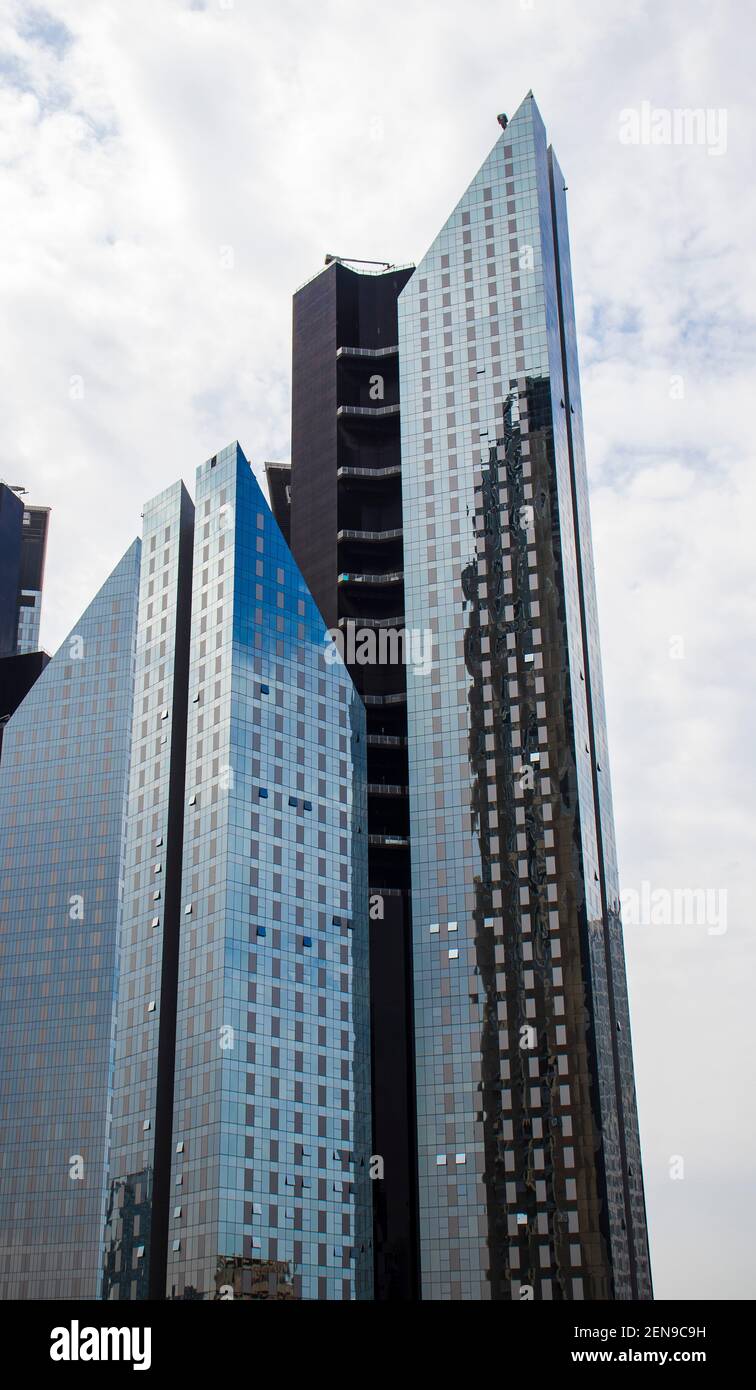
(172, 170)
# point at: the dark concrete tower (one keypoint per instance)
(11, 522)
(23, 545)
(345, 499)
(23, 542)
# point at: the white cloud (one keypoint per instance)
(139, 141)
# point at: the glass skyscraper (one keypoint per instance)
(150, 925)
(183, 925)
(521, 1177)
(194, 824)
(529, 1167)
(274, 1184)
(63, 784)
(241, 1136)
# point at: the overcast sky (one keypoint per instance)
(172, 170)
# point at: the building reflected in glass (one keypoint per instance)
(529, 1166)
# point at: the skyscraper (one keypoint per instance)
(524, 1132)
(63, 784)
(342, 500)
(11, 521)
(245, 795)
(23, 542)
(151, 908)
(241, 1134)
(23, 545)
(33, 553)
(183, 905)
(528, 1149)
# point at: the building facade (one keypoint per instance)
(240, 1156)
(11, 522)
(438, 486)
(17, 676)
(341, 502)
(33, 552)
(23, 543)
(150, 912)
(63, 784)
(240, 1086)
(185, 1096)
(23, 546)
(529, 1164)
